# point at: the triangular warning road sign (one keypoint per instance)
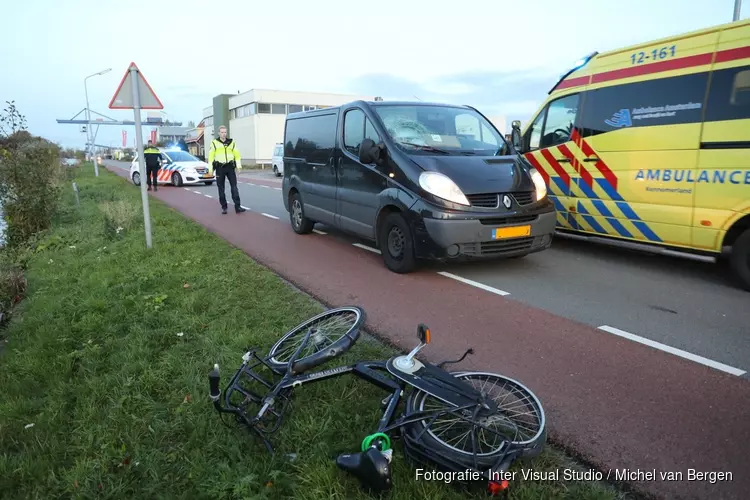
(123, 98)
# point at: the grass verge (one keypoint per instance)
(104, 376)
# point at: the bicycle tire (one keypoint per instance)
(328, 352)
(530, 447)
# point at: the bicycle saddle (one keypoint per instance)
(371, 467)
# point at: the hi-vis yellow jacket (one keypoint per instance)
(223, 153)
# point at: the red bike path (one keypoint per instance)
(616, 404)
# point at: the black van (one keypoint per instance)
(421, 180)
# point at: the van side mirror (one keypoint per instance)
(369, 152)
(515, 136)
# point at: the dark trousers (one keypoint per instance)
(223, 173)
(152, 172)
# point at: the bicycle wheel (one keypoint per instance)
(336, 330)
(519, 419)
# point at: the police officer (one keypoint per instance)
(153, 164)
(224, 158)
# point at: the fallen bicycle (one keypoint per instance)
(450, 420)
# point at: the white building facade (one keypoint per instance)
(255, 119)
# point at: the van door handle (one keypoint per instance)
(566, 160)
(591, 159)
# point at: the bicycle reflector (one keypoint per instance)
(424, 333)
(497, 487)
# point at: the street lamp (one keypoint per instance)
(88, 118)
(737, 9)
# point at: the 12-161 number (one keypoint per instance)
(655, 55)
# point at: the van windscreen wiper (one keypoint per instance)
(426, 147)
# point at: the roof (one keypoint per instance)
(314, 112)
(620, 63)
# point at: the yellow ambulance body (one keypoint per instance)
(649, 146)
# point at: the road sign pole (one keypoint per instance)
(141, 159)
(737, 9)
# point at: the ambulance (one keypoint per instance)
(648, 147)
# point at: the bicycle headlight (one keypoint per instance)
(443, 187)
(539, 184)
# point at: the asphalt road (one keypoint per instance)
(678, 303)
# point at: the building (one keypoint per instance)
(194, 141)
(255, 119)
(170, 134)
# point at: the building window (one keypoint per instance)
(278, 109)
(295, 108)
(264, 107)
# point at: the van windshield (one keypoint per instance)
(425, 129)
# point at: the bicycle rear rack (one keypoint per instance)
(249, 372)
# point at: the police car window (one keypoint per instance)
(354, 130)
(561, 115)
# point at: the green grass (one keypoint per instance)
(119, 401)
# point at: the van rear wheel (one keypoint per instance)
(740, 259)
(396, 244)
(300, 223)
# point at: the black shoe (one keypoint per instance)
(155, 188)
(240, 209)
(224, 211)
(149, 188)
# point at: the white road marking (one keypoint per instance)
(365, 247)
(246, 208)
(269, 216)
(319, 231)
(187, 189)
(473, 283)
(196, 191)
(277, 189)
(672, 350)
(208, 196)
(264, 186)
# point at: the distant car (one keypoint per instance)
(278, 159)
(178, 168)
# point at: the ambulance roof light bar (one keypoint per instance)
(578, 65)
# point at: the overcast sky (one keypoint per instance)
(501, 56)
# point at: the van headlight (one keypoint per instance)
(443, 187)
(539, 184)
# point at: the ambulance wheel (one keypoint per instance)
(176, 179)
(740, 260)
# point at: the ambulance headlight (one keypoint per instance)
(539, 184)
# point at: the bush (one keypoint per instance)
(119, 217)
(30, 178)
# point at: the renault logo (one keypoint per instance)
(506, 201)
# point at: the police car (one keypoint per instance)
(178, 168)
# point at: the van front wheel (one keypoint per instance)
(740, 259)
(396, 244)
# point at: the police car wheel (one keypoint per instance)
(740, 260)
(176, 179)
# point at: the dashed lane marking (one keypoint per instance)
(246, 208)
(269, 216)
(187, 189)
(319, 231)
(365, 247)
(672, 350)
(473, 283)
(277, 189)
(208, 196)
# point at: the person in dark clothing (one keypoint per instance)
(153, 164)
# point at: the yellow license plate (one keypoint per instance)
(207, 176)
(510, 232)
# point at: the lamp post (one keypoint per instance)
(737, 8)
(89, 139)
